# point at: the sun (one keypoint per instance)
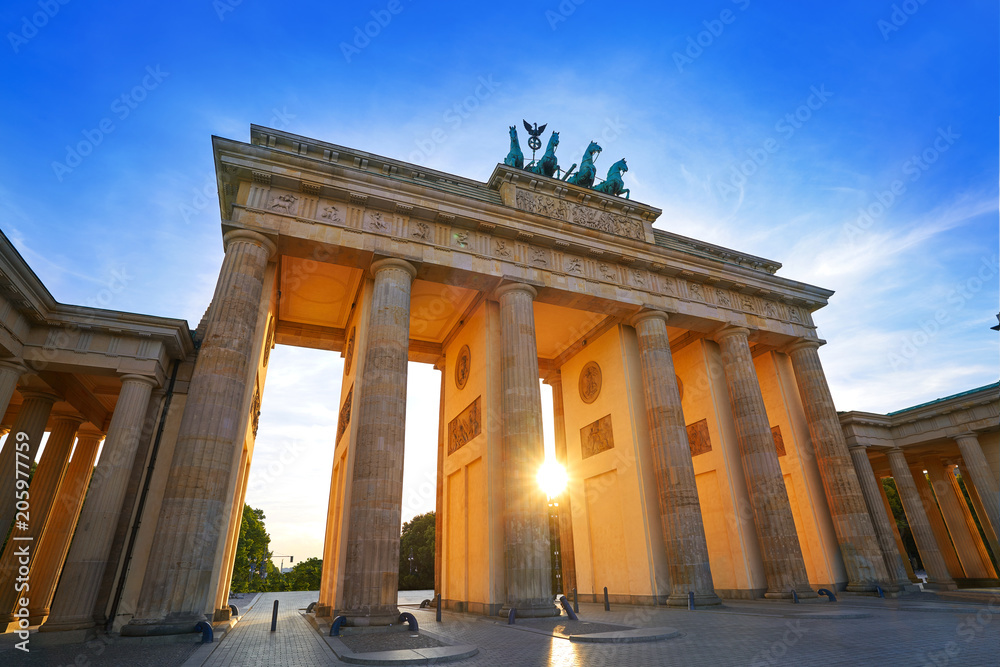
(552, 478)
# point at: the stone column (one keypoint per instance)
(439, 490)
(10, 372)
(883, 529)
(42, 497)
(945, 545)
(31, 421)
(977, 504)
(680, 511)
(527, 550)
(895, 532)
(177, 588)
(851, 520)
(371, 574)
(784, 566)
(54, 545)
(987, 486)
(937, 571)
(954, 520)
(966, 513)
(567, 550)
(73, 606)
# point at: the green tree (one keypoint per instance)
(305, 576)
(909, 544)
(253, 556)
(417, 540)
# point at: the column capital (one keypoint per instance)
(644, 315)
(246, 235)
(393, 263)
(804, 343)
(41, 394)
(553, 378)
(856, 446)
(68, 417)
(88, 430)
(144, 379)
(15, 365)
(966, 435)
(515, 287)
(728, 331)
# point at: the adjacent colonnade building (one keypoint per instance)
(703, 448)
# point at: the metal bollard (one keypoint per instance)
(205, 628)
(274, 616)
(438, 613)
(795, 596)
(511, 616)
(607, 605)
(827, 592)
(690, 600)
(576, 602)
(337, 623)
(569, 609)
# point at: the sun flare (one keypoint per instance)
(552, 478)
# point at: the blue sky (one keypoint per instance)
(854, 142)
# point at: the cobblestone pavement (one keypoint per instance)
(293, 643)
(920, 632)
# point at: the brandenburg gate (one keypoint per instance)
(704, 454)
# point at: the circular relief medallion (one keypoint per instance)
(590, 382)
(462, 367)
(680, 386)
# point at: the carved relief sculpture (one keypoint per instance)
(349, 352)
(590, 382)
(463, 366)
(463, 428)
(596, 437)
(344, 420)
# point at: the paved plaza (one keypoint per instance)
(963, 630)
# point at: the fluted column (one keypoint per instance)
(73, 606)
(28, 429)
(567, 549)
(883, 529)
(527, 550)
(439, 487)
(937, 571)
(851, 519)
(784, 566)
(953, 510)
(895, 530)
(677, 491)
(970, 522)
(41, 496)
(941, 535)
(371, 569)
(985, 481)
(177, 588)
(10, 372)
(54, 544)
(977, 504)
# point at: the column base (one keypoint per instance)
(323, 611)
(375, 617)
(532, 609)
(866, 586)
(222, 615)
(64, 624)
(37, 616)
(700, 600)
(941, 585)
(803, 592)
(174, 624)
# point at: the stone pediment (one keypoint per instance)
(553, 198)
